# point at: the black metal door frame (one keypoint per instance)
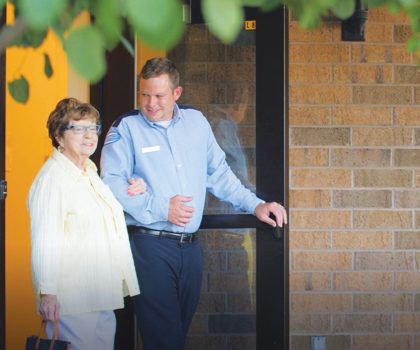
(2, 204)
(272, 183)
(272, 291)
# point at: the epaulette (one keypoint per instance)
(124, 115)
(188, 107)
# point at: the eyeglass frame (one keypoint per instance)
(83, 129)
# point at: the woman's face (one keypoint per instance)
(77, 143)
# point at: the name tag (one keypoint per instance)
(150, 149)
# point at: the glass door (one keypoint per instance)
(240, 88)
(220, 81)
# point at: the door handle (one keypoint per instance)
(3, 189)
(278, 233)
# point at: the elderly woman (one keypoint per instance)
(82, 265)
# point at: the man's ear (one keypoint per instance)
(177, 92)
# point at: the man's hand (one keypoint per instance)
(263, 211)
(180, 214)
(49, 307)
(137, 186)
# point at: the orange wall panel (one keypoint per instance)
(27, 147)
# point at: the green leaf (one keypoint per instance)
(407, 3)
(270, 5)
(150, 15)
(164, 40)
(86, 52)
(108, 21)
(40, 13)
(375, 3)
(310, 17)
(79, 5)
(413, 44)
(343, 9)
(158, 23)
(253, 3)
(224, 18)
(30, 38)
(19, 89)
(2, 3)
(394, 8)
(63, 23)
(48, 70)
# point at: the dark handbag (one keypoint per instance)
(35, 342)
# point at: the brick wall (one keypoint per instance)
(354, 187)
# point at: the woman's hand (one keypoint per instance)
(49, 307)
(136, 187)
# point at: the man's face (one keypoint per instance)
(157, 98)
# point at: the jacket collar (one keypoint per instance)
(70, 167)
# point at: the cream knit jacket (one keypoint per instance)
(79, 244)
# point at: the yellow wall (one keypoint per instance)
(27, 147)
(144, 53)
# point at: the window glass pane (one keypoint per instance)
(226, 316)
(219, 80)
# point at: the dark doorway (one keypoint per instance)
(245, 297)
(113, 96)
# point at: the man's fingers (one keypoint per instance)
(188, 210)
(264, 210)
(183, 199)
(269, 221)
(278, 212)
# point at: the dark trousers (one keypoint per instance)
(169, 275)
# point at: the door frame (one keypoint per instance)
(272, 180)
(272, 291)
(2, 202)
(272, 262)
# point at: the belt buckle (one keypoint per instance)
(185, 238)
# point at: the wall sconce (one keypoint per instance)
(353, 28)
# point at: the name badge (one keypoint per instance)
(150, 149)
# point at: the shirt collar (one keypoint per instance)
(175, 118)
(70, 167)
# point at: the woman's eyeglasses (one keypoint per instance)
(82, 129)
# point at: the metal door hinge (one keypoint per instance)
(3, 189)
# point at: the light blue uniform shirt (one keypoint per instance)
(182, 159)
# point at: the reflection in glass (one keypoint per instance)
(219, 80)
(225, 319)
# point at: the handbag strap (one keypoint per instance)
(43, 331)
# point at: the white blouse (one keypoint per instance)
(80, 250)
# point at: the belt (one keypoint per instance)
(181, 237)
